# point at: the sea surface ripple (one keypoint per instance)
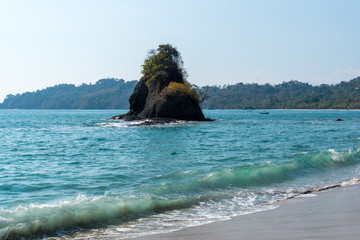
(75, 174)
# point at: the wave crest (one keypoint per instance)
(95, 212)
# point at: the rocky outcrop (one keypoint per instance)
(163, 93)
(156, 101)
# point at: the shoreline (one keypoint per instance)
(328, 214)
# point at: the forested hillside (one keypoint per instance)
(114, 94)
(107, 93)
(288, 95)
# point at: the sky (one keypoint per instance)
(44, 43)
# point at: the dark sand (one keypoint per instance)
(332, 214)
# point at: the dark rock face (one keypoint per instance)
(155, 102)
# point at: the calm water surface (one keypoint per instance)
(76, 174)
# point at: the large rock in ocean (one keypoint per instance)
(163, 93)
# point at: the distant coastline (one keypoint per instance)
(290, 109)
(112, 93)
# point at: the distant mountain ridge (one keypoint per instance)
(113, 93)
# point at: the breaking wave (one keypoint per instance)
(111, 209)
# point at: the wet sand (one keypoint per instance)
(332, 214)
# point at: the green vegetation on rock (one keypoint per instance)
(184, 90)
(166, 61)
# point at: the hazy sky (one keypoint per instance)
(43, 42)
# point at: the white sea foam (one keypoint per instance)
(306, 195)
(2, 219)
(339, 156)
(351, 182)
(146, 122)
(112, 124)
(204, 212)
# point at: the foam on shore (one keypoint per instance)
(332, 214)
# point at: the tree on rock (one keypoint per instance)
(166, 61)
(163, 92)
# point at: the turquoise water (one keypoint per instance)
(76, 174)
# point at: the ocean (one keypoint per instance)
(76, 174)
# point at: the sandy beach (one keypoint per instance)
(332, 214)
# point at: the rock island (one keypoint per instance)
(163, 94)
